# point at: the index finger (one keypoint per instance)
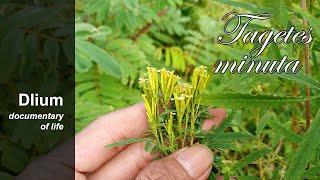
(90, 151)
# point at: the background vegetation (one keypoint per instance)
(37, 56)
(266, 135)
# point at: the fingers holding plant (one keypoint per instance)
(177, 121)
(134, 158)
(193, 162)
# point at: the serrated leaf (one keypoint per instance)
(237, 100)
(253, 156)
(288, 134)
(225, 123)
(301, 78)
(231, 136)
(220, 145)
(305, 151)
(216, 140)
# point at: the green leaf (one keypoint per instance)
(100, 7)
(312, 172)
(276, 174)
(237, 100)
(251, 158)
(68, 49)
(207, 26)
(302, 78)
(101, 33)
(305, 151)
(51, 51)
(10, 48)
(225, 123)
(82, 63)
(125, 142)
(102, 93)
(230, 136)
(28, 17)
(84, 27)
(247, 6)
(277, 9)
(98, 55)
(288, 134)
(305, 14)
(7, 176)
(31, 47)
(149, 146)
(220, 145)
(216, 140)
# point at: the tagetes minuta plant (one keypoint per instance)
(173, 108)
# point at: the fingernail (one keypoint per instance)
(195, 160)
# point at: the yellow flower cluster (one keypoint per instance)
(173, 107)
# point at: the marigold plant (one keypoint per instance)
(173, 107)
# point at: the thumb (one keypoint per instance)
(189, 163)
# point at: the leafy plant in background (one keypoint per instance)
(37, 42)
(117, 40)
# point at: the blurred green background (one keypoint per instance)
(117, 39)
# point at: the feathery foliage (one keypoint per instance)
(119, 39)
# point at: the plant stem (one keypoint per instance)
(307, 69)
(185, 132)
(294, 120)
(147, 27)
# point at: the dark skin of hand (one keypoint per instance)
(133, 162)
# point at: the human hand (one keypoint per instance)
(94, 161)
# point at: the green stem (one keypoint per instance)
(185, 132)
